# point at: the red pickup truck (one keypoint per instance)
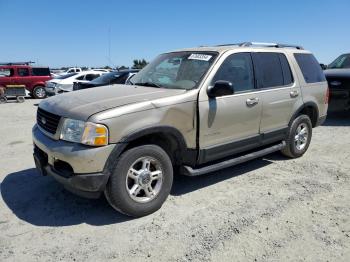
(33, 78)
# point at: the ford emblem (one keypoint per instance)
(43, 120)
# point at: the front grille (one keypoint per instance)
(47, 121)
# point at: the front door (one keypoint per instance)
(230, 124)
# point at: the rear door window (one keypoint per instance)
(23, 71)
(268, 69)
(287, 73)
(310, 68)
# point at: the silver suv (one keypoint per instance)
(190, 112)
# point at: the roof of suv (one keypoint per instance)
(246, 46)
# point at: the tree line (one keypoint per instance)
(137, 64)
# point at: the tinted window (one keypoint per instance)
(120, 79)
(23, 71)
(41, 71)
(106, 78)
(90, 77)
(80, 77)
(287, 73)
(268, 70)
(237, 69)
(310, 68)
(342, 61)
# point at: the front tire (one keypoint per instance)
(299, 137)
(141, 181)
(39, 92)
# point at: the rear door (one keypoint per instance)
(280, 94)
(23, 77)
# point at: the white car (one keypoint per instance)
(72, 70)
(64, 83)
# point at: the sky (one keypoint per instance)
(114, 33)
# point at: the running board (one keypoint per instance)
(189, 171)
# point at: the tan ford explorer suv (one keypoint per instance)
(190, 112)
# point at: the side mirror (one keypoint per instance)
(323, 66)
(220, 88)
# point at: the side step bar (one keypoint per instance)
(189, 171)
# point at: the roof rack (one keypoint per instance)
(17, 63)
(276, 45)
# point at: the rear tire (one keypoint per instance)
(141, 181)
(39, 92)
(299, 137)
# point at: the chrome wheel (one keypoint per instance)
(144, 179)
(301, 136)
(40, 92)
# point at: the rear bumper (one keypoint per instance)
(321, 120)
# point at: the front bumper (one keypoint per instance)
(50, 91)
(78, 167)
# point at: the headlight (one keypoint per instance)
(95, 134)
(84, 132)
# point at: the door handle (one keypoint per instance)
(294, 93)
(252, 101)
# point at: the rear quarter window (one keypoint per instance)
(40, 71)
(310, 68)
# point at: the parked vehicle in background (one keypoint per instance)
(64, 83)
(191, 111)
(338, 77)
(72, 70)
(21, 73)
(101, 70)
(112, 78)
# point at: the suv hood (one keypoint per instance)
(82, 104)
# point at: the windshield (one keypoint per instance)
(106, 78)
(66, 76)
(342, 61)
(179, 70)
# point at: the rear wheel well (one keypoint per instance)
(311, 112)
(167, 142)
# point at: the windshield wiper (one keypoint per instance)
(151, 84)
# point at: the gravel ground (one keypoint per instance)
(270, 209)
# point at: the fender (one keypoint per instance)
(189, 156)
(156, 129)
(301, 108)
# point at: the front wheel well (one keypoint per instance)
(168, 142)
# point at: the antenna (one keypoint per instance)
(109, 45)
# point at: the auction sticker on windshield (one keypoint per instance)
(202, 57)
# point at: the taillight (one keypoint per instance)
(326, 97)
